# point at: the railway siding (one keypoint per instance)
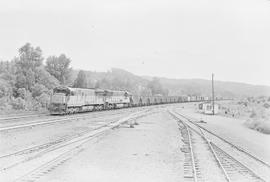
(200, 163)
(234, 167)
(57, 154)
(234, 130)
(53, 119)
(246, 158)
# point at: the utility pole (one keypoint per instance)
(213, 94)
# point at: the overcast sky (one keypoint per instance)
(168, 38)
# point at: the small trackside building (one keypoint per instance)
(207, 108)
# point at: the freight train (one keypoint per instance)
(67, 100)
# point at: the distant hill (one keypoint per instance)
(124, 80)
(222, 88)
(117, 79)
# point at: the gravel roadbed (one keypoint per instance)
(236, 132)
(148, 152)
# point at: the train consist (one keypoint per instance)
(66, 100)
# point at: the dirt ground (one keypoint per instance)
(234, 130)
(148, 152)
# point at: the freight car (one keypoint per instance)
(66, 100)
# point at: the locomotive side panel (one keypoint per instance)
(117, 99)
(83, 97)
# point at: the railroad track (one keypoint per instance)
(52, 157)
(55, 142)
(230, 167)
(61, 140)
(23, 116)
(239, 148)
(47, 121)
(15, 117)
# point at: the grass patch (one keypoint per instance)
(260, 125)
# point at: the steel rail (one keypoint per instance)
(192, 156)
(208, 143)
(29, 176)
(53, 143)
(218, 161)
(228, 142)
(215, 155)
(49, 121)
(65, 138)
(211, 144)
(22, 116)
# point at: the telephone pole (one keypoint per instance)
(213, 94)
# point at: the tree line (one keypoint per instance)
(26, 82)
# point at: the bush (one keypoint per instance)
(266, 105)
(260, 125)
(38, 89)
(18, 103)
(22, 93)
(253, 114)
(43, 100)
(5, 88)
(259, 121)
(4, 103)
